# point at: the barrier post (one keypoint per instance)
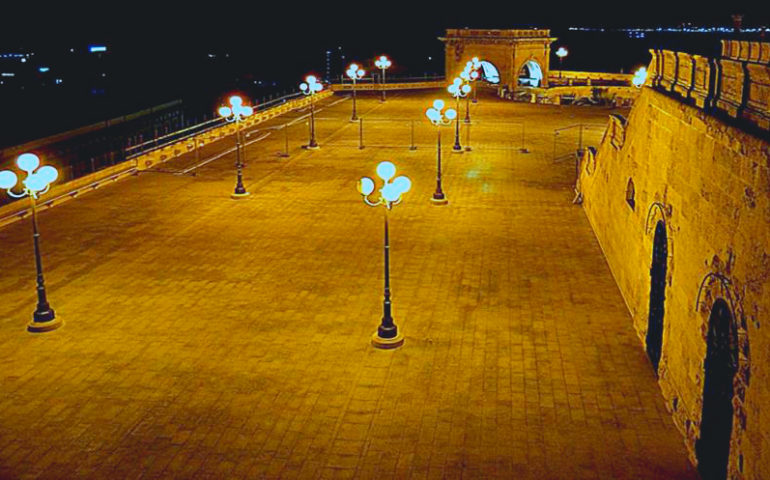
(413, 146)
(360, 133)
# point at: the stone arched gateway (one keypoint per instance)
(508, 50)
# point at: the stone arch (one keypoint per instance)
(718, 299)
(489, 72)
(530, 74)
(657, 309)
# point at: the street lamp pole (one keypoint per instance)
(354, 73)
(38, 182)
(383, 63)
(561, 53)
(310, 87)
(475, 67)
(439, 119)
(469, 76)
(387, 335)
(458, 89)
(236, 112)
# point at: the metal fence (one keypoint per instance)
(569, 140)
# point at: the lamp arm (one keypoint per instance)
(17, 195)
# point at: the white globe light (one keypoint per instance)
(303, 86)
(388, 64)
(451, 114)
(466, 88)
(452, 89)
(7, 179)
(390, 192)
(236, 101)
(310, 79)
(386, 170)
(353, 67)
(48, 173)
(361, 73)
(432, 113)
(438, 104)
(474, 75)
(457, 81)
(35, 182)
(317, 87)
(28, 162)
(224, 111)
(246, 111)
(366, 185)
(402, 183)
(383, 58)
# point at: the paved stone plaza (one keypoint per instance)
(211, 338)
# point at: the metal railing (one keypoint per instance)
(193, 130)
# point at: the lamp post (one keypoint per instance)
(561, 53)
(387, 334)
(458, 89)
(475, 66)
(439, 119)
(38, 182)
(383, 63)
(354, 73)
(236, 112)
(469, 76)
(310, 87)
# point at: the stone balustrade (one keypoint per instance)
(737, 84)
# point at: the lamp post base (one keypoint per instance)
(457, 150)
(439, 200)
(239, 196)
(41, 326)
(387, 343)
(311, 147)
(468, 149)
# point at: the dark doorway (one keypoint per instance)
(713, 446)
(657, 295)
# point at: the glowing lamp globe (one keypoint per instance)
(310, 79)
(366, 186)
(466, 88)
(561, 52)
(236, 101)
(451, 114)
(8, 179)
(432, 114)
(28, 162)
(224, 111)
(390, 192)
(438, 104)
(35, 182)
(386, 170)
(303, 86)
(246, 111)
(402, 183)
(48, 173)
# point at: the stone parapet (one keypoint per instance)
(737, 84)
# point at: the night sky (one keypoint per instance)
(159, 51)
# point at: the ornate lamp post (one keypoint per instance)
(640, 76)
(439, 119)
(354, 73)
(38, 182)
(383, 63)
(236, 112)
(561, 53)
(474, 66)
(387, 334)
(310, 87)
(469, 76)
(458, 89)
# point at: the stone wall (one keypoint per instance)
(709, 183)
(736, 85)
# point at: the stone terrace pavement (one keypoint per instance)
(212, 338)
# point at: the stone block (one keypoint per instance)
(758, 98)
(684, 74)
(731, 85)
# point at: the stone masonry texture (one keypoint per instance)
(709, 182)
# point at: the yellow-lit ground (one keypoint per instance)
(211, 338)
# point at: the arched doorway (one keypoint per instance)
(713, 447)
(654, 339)
(531, 75)
(489, 72)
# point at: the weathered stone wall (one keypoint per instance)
(709, 183)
